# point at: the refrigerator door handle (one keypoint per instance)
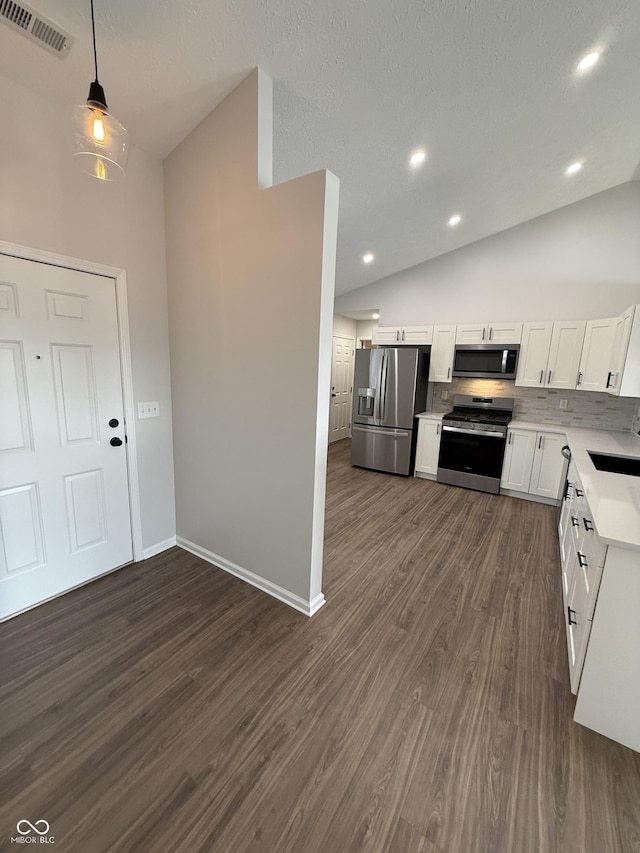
(397, 433)
(383, 387)
(377, 401)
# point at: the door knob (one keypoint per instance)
(114, 422)
(115, 442)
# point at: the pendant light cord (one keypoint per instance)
(93, 30)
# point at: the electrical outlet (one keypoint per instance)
(563, 404)
(444, 395)
(149, 410)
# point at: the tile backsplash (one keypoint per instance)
(584, 408)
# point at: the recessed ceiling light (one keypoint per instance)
(456, 219)
(367, 257)
(588, 61)
(573, 168)
(375, 316)
(418, 158)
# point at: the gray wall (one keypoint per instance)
(251, 278)
(579, 262)
(47, 203)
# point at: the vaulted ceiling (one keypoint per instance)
(489, 90)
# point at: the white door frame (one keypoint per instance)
(120, 278)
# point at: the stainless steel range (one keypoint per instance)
(474, 437)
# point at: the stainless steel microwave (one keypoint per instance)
(486, 361)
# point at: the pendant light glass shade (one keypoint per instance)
(100, 143)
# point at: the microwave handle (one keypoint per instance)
(505, 353)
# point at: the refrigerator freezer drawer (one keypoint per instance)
(381, 449)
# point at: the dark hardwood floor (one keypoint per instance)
(425, 709)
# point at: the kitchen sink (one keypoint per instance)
(616, 464)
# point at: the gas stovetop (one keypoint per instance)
(491, 413)
(479, 416)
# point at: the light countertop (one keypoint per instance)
(614, 499)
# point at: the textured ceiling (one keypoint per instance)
(487, 86)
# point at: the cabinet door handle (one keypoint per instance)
(609, 375)
(574, 521)
(540, 442)
(397, 336)
(490, 333)
(569, 617)
(484, 332)
(437, 429)
(510, 437)
(541, 377)
(403, 336)
(582, 560)
(448, 372)
(588, 524)
(549, 379)
(579, 382)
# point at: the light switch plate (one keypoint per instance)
(149, 410)
(563, 404)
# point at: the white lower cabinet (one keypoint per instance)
(583, 557)
(547, 473)
(609, 689)
(428, 447)
(518, 460)
(533, 463)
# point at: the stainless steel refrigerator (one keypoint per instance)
(390, 388)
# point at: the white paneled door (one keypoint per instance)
(341, 388)
(64, 496)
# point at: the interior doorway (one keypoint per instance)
(341, 388)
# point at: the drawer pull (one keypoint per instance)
(582, 560)
(570, 619)
(588, 524)
(579, 492)
(574, 521)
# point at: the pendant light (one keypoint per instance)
(100, 142)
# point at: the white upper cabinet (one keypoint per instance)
(595, 364)
(416, 335)
(489, 333)
(550, 354)
(442, 350)
(385, 335)
(534, 354)
(564, 354)
(402, 335)
(624, 374)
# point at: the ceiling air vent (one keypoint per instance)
(36, 27)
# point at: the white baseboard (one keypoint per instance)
(272, 589)
(158, 548)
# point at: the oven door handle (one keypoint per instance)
(473, 432)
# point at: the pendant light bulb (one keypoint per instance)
(100, 143)
(98, 127)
